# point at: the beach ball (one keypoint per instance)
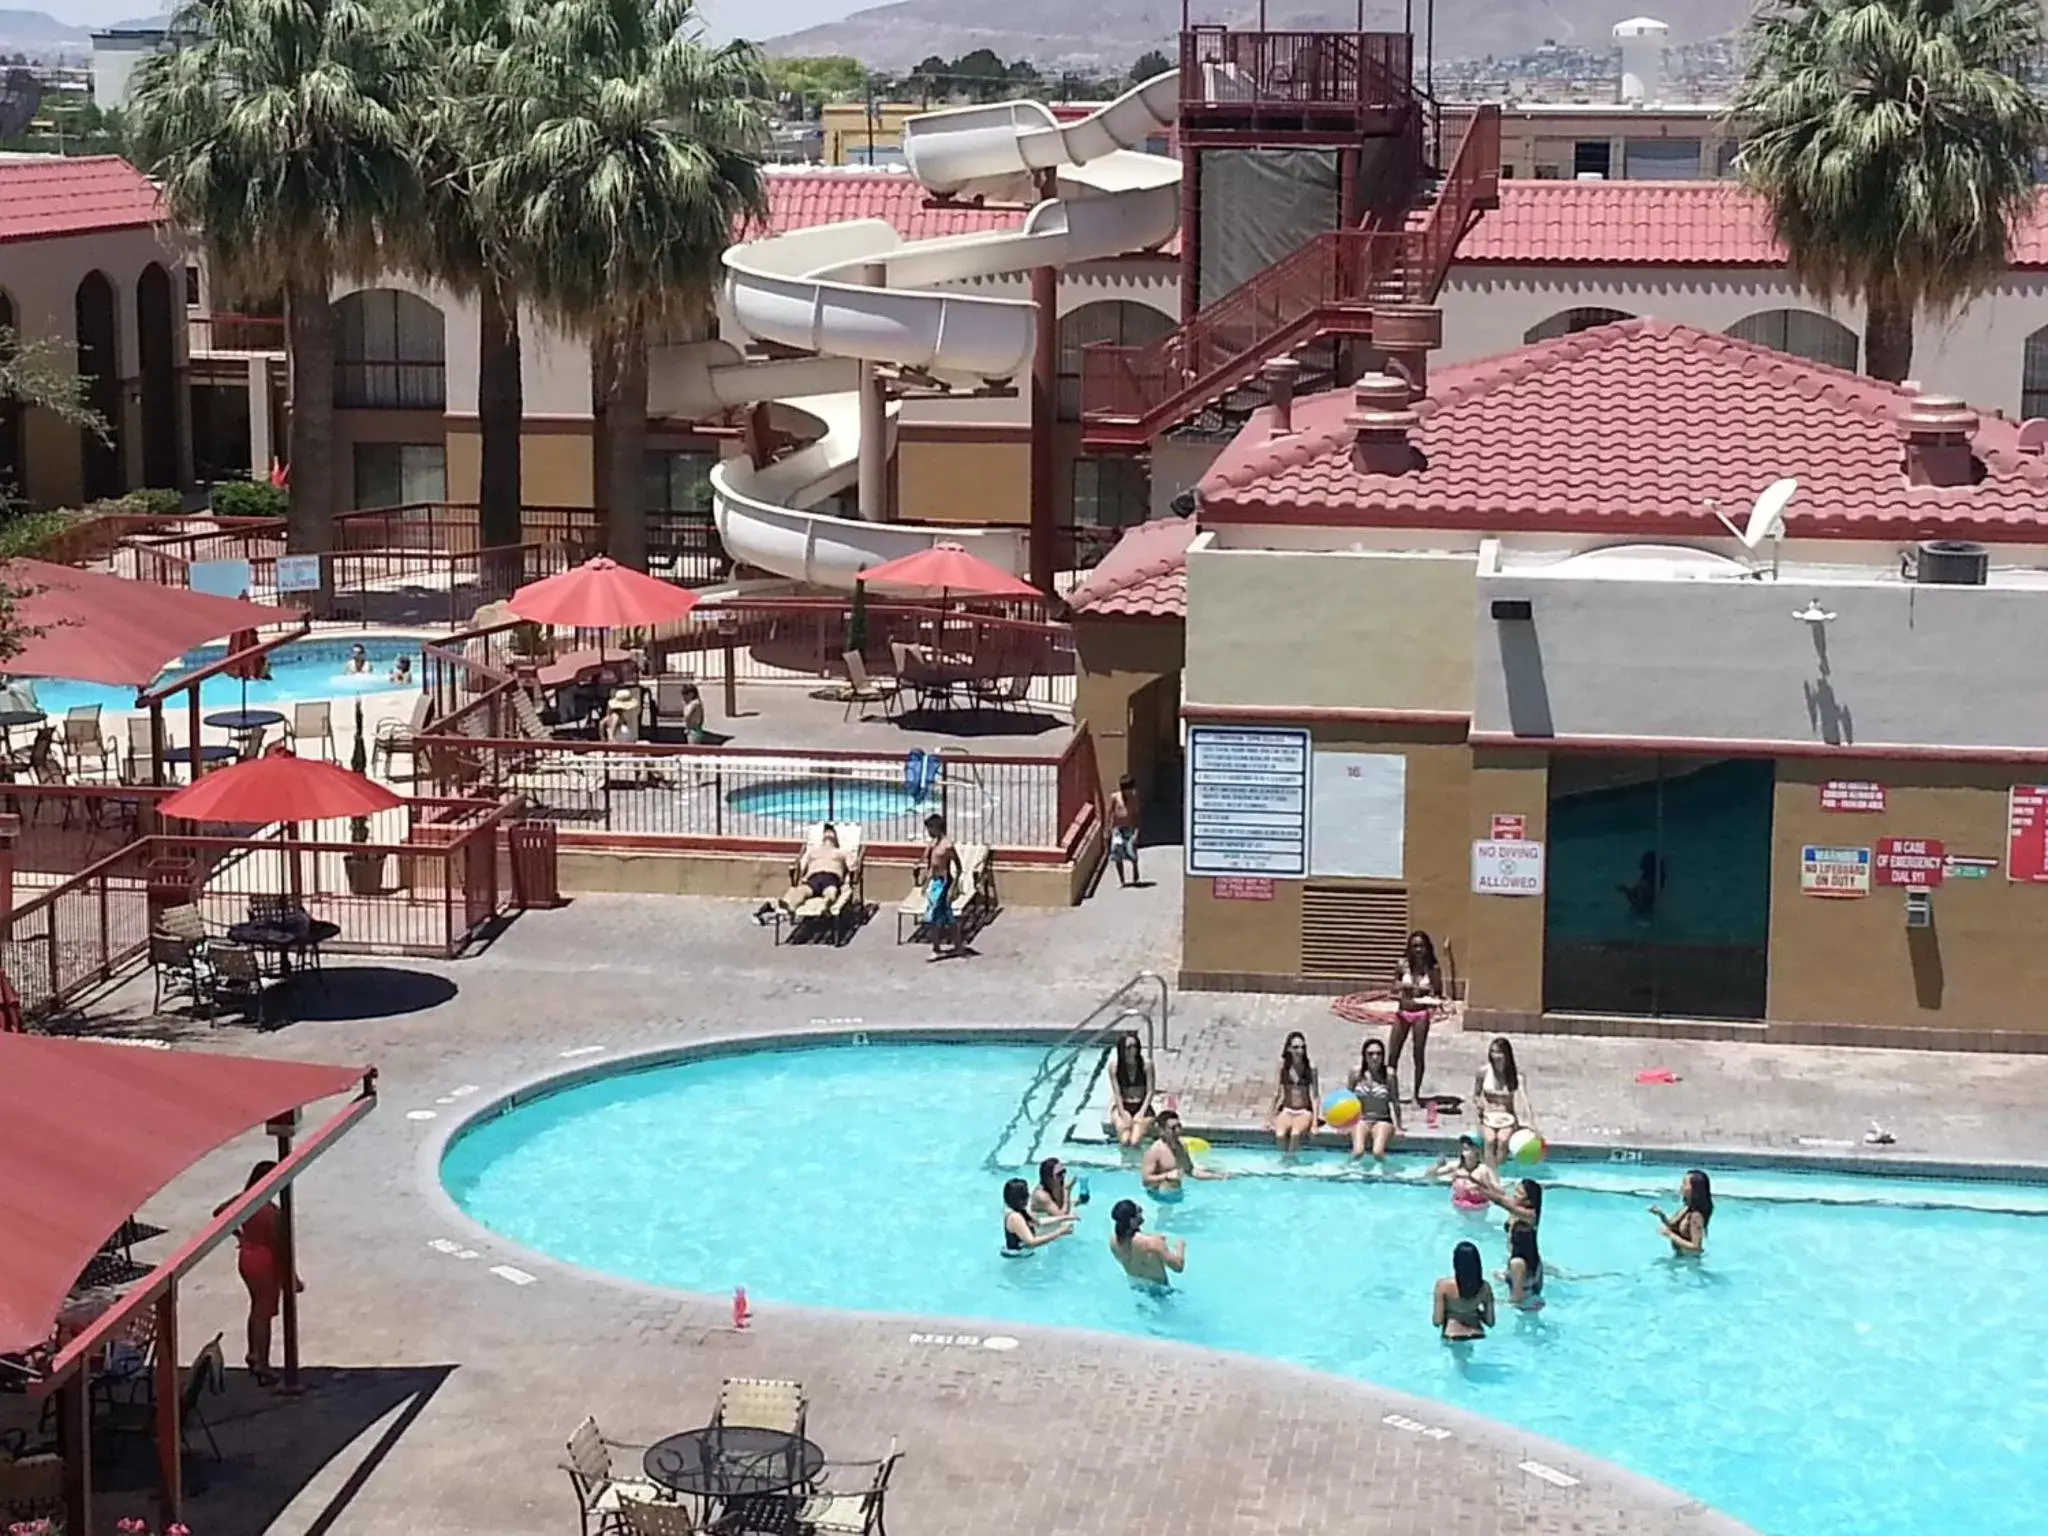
(1341, 1109)
(1526, 1146)
(1196, 1146)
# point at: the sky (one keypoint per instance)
(723, 18)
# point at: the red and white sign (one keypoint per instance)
(1851, 795)
(1918, 862)
(2026, 834)
(1510, 829)
(1241, 888)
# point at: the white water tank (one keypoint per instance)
(1641, 40)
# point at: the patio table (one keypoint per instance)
(738, 1465)
(284, 939)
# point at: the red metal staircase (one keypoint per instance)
(1129, 395)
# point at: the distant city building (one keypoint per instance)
(115, 53)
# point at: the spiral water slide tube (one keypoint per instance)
(856, 296)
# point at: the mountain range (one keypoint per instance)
(1110, 34)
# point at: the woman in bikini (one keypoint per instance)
(1473, 1184)
(1503, 1098)
(1687, 1231)
(1130, 1105)
(1294, 1095)
(1055, 1198)
(1418, 987)
(1524, 1274)
(1463, 1306)
(1380, 1098)
(1021, 1234)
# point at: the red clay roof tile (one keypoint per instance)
(47, 196)
(1642, 428)
(1144, 576)
(801, 197)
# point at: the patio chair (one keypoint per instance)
(973, 896)
(526, 717)
(313, 721)
(135, 768)
(396, 736)
(183, 921)
(803, 909)
(864, 690)
(88, 749)
(180, 971)
(208, 1373)
(42, 757)
(601, 1494)
(1005, 692)
(854, 1511)
(745, 1402)
(237, 976)
(642, 1518)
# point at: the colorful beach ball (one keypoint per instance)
(1527, 1147)
(1341, 1109)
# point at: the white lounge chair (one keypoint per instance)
(840, 909)
(973, 897)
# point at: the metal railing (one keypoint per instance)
(1222, 69)
(234, 333)
(1047, 1090)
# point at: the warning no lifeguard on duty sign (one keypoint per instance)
(1504, 867)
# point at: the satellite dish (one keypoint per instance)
(1766, 518)
(21, 97)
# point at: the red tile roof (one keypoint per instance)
(46, 196)
(1648, 223)
(1639, 429)
(1144, 576)
(800, 197)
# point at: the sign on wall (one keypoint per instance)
(1851, 795)
(1248, 801)
(1834, 871)
(1361, 814)
(1241, 888)
(2026, 834)
(298, 573)
(1509, 829)
(1917, 863)
(1964, 866)
(1507, 867)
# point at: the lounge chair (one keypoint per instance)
(855, 1511)
(396, 736)
(863, 690)
(840, 909)
(973, 898)
(745, 1402)
(673, 706)
(313, 721)
(88, 749)
(601, 1494)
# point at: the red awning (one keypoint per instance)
(97, 628)
(89, 1131)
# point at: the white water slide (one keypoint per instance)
(857, 296)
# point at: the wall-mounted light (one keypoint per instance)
(1919, 909)
(1513, 610)
(1813, 613)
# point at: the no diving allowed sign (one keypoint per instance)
(1507, 867)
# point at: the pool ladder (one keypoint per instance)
(1144, 999)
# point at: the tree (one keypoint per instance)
(1893, 143)
(832, 78)
(629, 161)
(277, 138)
(1151, 63)
(457, 242)
(981, 73)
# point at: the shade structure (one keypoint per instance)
(945, 570)
(96, 628)
(89, 1131)
(279, 787)
(601, 594)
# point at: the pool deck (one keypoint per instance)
(444, 1389)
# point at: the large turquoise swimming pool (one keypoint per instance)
(305, 669)
(1854, 1357)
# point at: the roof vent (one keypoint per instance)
(1937, 431)
(1951, 563)
(1279, 374)
(1381, 418)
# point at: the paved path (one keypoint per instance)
(446, 1391)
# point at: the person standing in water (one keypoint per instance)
(1463, 1305)
(1687, 1231)
(1418, 988)
(1524, 1274)
(1295, 1094)
(1168, 1161)
(1021, 1231)
(1145, 1257)
(1056, 1198)
(1123, 830)
(941, 875)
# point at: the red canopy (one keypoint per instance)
(601, 594)
(89, 1131)
(279, 787)
(97, 628)
(946, 568)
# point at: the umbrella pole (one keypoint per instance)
(294, 876)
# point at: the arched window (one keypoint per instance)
(2034, 376)
(390, 352)
(1570, 321)
(1115, 320)
(1803, 333)
(99, 370)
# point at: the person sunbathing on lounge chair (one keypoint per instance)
(820, 870)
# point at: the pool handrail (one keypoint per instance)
(1062, 1056)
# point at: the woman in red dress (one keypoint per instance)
(261, 1262)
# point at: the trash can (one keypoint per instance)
(532, 846)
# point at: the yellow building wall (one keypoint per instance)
(980, 477)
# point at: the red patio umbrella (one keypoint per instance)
(601, 594)
(946, 569)
(279, 787)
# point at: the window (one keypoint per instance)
(1592, 157)
(2034, 377)
(400, 474)
(193, 297)
(1661, 159)
(390, 352)
(681, 543)
(1112, 492)
(1802, 333)
(1116, 321)
(1571, 321)
(680, 480)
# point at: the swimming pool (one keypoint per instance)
(1855, 1357)
(837, 798)
(305, 669)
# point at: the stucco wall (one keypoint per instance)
(1330, 631)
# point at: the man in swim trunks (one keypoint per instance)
(941, 874)
(1123, 830)
(821, 870)
(1168, 1161)
(1145, 1257)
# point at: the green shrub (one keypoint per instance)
(249, 498)
(152, 503)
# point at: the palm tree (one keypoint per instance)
(630, 159)
(1893, 142)
(456, 243)
(277, 139)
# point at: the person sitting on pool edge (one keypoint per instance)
(358, 660)
(1021, 1231)
(1462, 1307)
(1168, 1161)
(1145, 1257)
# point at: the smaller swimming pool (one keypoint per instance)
(305, 669)
(803, 801)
